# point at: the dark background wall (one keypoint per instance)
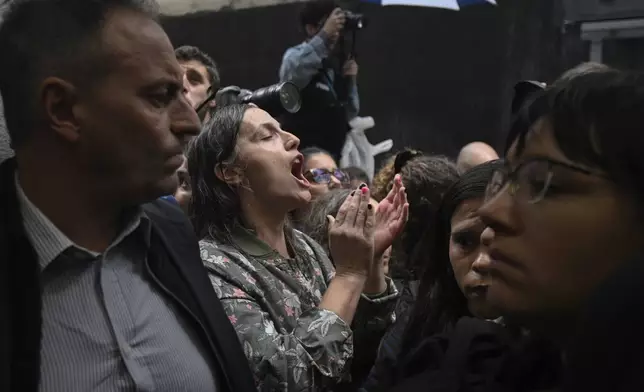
(432, 79)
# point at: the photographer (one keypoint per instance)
(326, 76)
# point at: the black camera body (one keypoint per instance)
(276, 99)
(354, 21)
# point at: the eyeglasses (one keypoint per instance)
(323, 176)
(528, 182)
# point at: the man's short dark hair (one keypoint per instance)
(314, 11)
(41, 38)
(192, 53)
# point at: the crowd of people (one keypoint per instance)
(147, 246)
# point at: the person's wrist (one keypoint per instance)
(353, 272)
(326, 37)
(376, 282)
(351, 279)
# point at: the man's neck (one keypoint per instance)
(66, 198)
(268, 225)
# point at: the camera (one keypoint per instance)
(354, 21)
(275, 99)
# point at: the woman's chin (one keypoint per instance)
(304, 198)
(299, 201)
(483, 311)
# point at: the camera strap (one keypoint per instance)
(340, 97)
(329, 82)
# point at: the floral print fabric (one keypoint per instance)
(272, 302)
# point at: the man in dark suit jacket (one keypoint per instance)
(99, 290)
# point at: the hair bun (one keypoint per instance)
(403, 157)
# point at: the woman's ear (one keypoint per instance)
(229, 174)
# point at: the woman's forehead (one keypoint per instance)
(537, 142)
(465, 212)
(320, 161)
(254, 120)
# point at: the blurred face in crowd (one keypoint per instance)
(465, 252)
(313, 29)
(355, 182)
(130, 127)
(554, 234)
(184, 192)
(270, 164)
(196, 82)
(323, 174)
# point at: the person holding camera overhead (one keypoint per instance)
(326, 76)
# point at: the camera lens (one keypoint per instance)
(290, 97)
(275, 99)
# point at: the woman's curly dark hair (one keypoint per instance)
(383, 179)
(426, 179)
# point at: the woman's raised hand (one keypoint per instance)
(351, 234)
(391, 217)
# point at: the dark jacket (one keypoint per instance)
(381, 374)
(477, 356)
(607, 349)
(173, 263)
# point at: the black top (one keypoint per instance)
(607, 350)
(174, 261)
(477, 356)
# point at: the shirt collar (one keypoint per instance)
(247, 241)
(49, 242)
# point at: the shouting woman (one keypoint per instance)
(292, 310)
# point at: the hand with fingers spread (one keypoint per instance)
(351, 234)
(391, 217)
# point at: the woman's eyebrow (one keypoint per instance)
(472, 219)
(269, 125)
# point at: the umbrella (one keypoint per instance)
(449, 4)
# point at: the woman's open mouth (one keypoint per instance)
(297, 167)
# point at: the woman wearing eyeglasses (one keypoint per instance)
(566, 214)
(321, 170)
(565, 230)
